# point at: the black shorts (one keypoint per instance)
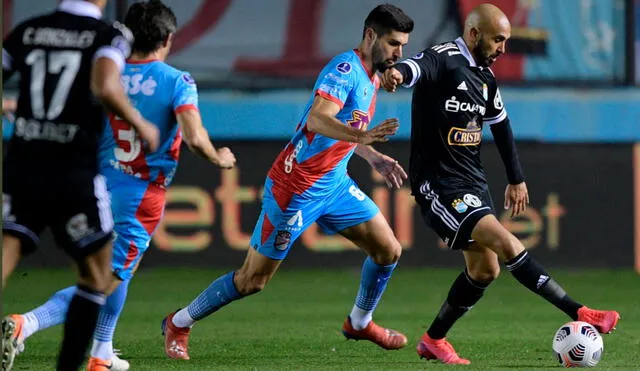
(453, 215)
(78, 213)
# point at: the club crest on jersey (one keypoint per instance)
(78, 227)
(344, 67)
(359, 119)
(459, 205)
(485, 91)
(469, 136)
(282, 240)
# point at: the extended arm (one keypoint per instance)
(322, 120)
(393, 173)
(503, 136)
(197, 139)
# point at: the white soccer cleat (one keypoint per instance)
(118, 364)
(12, 340)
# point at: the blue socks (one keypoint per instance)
(110, 312)
(54, 312)
(373, 282)
(221, 292)
(51, 313)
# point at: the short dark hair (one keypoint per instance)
(151, 23)
(386, 18)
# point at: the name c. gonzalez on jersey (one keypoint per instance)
(54, 54)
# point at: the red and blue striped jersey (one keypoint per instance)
(313, 163)
(159, 92)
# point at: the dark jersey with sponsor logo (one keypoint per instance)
(58, 120)
(452, 100)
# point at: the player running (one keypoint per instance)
(137, 180)
(456, 94)
(69, 63)
(308, 183)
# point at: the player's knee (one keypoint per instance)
(387, 254)
(507, 247)
(248, 284)
(96, 279)
(484, 274)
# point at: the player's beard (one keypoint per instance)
(377, 58)
(481, 54)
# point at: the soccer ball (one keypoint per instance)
(577, 344)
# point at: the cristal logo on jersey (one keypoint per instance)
(359, 119)
(469, 136)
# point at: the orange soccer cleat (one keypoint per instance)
(176, 339)
(97, 364)
(384, 337)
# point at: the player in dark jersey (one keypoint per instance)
(455, 94)
(138, 181)
(69, 63)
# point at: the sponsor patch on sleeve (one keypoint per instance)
(188, 79)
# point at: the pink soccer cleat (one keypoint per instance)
(441, 350)
(603, 320)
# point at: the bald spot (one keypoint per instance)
(487, 18)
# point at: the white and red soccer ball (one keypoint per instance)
(578, 344)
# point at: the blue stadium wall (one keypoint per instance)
(552, 115)
(548, 115)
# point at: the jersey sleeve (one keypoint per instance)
(115, 44)
(336, 82)
(185, 96)
(10, 52)
(424, 65)
(496, 111)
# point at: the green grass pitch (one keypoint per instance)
(295, 323)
